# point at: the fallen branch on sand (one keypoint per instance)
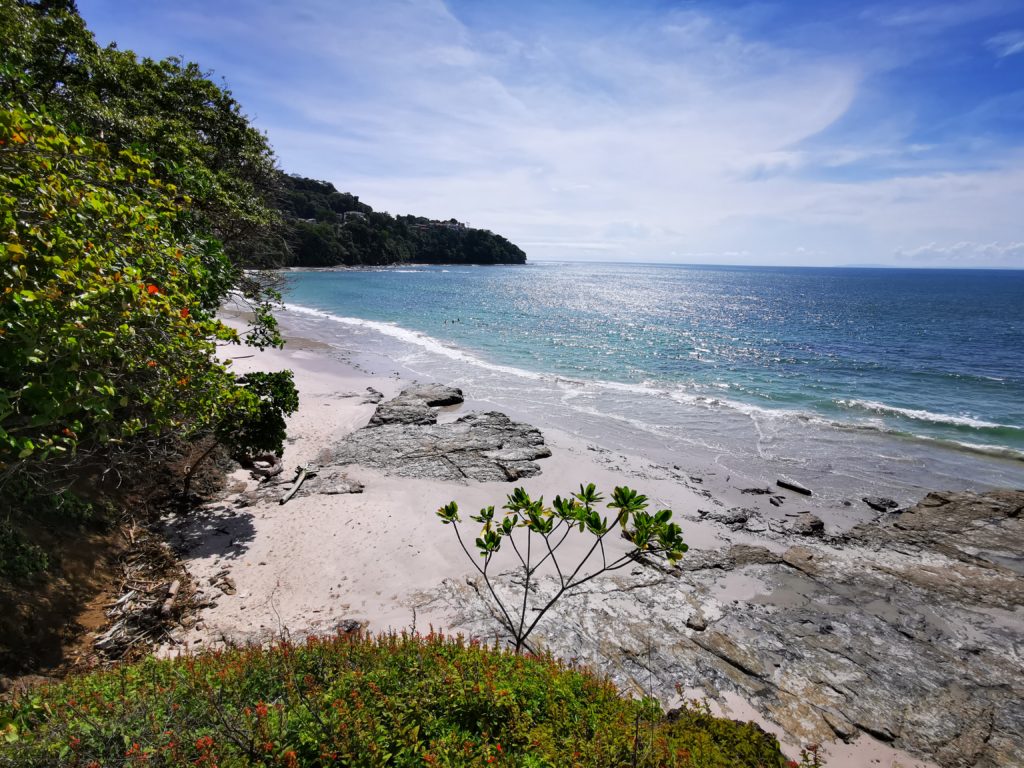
(307, 471)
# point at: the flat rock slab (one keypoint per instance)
(911, 630)
(329, 482)
(479, 446)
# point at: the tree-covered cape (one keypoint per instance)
(132, 192)
(323, 227)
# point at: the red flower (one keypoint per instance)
(184, 312)
(151, 289)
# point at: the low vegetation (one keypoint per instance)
(360, 701)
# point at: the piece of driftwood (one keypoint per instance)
(150, 599)
(304, 472)
(172, 592)
(793, 485)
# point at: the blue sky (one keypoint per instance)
(817, 133)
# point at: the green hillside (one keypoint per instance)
(323, 227)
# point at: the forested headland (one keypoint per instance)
(322, 227)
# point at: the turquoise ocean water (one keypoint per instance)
(852, 379)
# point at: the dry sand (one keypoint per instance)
(319, 561)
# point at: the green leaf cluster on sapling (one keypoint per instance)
(536, 532)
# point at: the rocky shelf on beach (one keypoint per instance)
(404, 438)
(908, 628)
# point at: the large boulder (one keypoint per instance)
(415, 405)
(478, 446)
(434, 394)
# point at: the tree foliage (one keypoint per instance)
(192, 128)
(130, 192)
(107, 314)
(547, 529)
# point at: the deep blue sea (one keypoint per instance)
(904, 380)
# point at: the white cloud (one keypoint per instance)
(1007, 43)
(556, 139)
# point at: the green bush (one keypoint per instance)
(131, 192)
(107, 312)
(395, 700)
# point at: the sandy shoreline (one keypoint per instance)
(327, 554)
(377, 557)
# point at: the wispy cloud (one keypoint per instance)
(1007, 43)
(935, 16)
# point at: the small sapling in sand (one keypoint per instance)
(536, 533)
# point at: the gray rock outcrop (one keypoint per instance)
(881, 503)
(807, 524)
(415, 405)
(478, 446)
(434, 394)
(911, 630)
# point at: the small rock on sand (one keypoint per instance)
(880, 503)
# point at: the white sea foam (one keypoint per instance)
(987, 450)
(415, 338)
(757, 412)
(922, 415)
(767, 421)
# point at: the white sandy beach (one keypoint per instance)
(319, 561)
